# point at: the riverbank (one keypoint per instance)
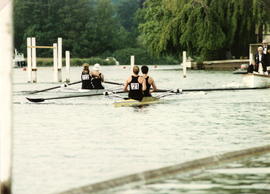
(219, 65)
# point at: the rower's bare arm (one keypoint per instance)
(102, 77)
(126, 85)
(152, 82)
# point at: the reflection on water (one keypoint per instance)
(248, 176)
(62, 144)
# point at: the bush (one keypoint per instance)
(91, 61)
(76, 61)
(142, 57)
(44, 62)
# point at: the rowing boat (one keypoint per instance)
(254, 80)
(81, 91)
(137, 103)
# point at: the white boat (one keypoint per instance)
(67, 90)
(254, 80)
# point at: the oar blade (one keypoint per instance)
(35, 99)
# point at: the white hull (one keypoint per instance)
(256, 80)
(80, 91)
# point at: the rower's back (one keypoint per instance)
(86, 77)
(149, 82)
(147, 93)
(97, 77)
(135, 85)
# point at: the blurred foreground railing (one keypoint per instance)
(6, 50)
(152, 176)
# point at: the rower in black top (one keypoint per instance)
(149, 81)
(86, 77)
(135, 85)
(97, 77)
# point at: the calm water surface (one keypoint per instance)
(68, 143)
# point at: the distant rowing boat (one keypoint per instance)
(256, 80)
(81, 91)
(132, 103)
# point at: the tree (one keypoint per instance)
(205, 28)
(126, 15)
(88, 27)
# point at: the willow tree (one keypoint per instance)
(206, 28)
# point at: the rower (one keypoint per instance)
(135, 85)
(86, 77)
(149, 81)
(97, 77)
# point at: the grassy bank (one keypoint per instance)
(77, 61)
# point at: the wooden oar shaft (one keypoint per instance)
(64, 97)
(114, 83)
(221, 89)
(213, 89)
(52, 88)
(44, 90)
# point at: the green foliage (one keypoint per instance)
(126, 12)
(91, 61)
(88, 27)
(205, 28)
(77, 61)
(142, 57)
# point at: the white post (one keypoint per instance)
(6, 52)
(34, 59)
(132, 62)
(59, 46)
(250, 58)
(29, 60)
(67, 66)
(184, 64)
(55, 66)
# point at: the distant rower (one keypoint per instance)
(97, 77)
(135, 85)
(86, 77)
(149, 81)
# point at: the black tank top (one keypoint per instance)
(97, 82)
(86, 80)
(135, 89)
(148, 86)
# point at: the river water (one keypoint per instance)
(62, 144)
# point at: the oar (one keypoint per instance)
(63, 97)
(114, 83)
(214, 89)
(170, 92)
(52, 88)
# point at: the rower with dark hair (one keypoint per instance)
(135, 85)
(97, 77)
(149, 81)
(86, 77)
